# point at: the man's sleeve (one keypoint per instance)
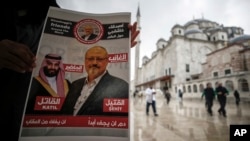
(203, 93)
(227, 92)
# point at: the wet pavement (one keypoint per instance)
(185, 121)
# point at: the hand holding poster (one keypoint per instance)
(80, 87)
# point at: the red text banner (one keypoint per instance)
(115, 105)
(75, 121)
(48, 103)
(73, 68)
(120, 57)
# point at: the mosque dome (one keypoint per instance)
(239, 39)
(192, 31)
(197, 21)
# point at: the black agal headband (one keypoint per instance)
(54, 57)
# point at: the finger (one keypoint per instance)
(134, 27)
(133, 44)
(13, 63)
(129, 26)
(22, 52)
(134, 34)
(16, 56)
(19, 65)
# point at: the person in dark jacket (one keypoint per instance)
(180, 94)
(20, 29)
(222, 93)
(237, 97)
(167, 94)
(209, 94)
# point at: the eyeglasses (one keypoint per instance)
(98, 59)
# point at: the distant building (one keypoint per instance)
(198, 52)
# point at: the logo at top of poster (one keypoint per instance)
(88, 31)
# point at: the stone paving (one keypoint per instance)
(185, 120)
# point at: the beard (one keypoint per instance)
(50, 72)
(94, 71)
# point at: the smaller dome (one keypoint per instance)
(161, 40)
(177, 25)
(239, 39)
(197, 21)
(192, 31)
(191, 22)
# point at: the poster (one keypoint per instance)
(80, 86)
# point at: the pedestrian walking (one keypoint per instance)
(150, 100)
(180, 94)
(237, 97)
(209, 94)
(167, 94)
(222, 93)
(135, 93)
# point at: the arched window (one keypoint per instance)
(189, 89)
(184, 89)
(229, 85)
(179, 31)
(243, 85)
(195, 88)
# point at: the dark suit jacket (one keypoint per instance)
(91, 37)
(209, 94)
(108, 87)
(224, 92)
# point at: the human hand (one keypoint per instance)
(134, 33)
(16, 56)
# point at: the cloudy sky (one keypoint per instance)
(159, 16)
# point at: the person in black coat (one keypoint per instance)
(20, 29)
(237, 97)
(209, 96)
(222, 93)
(167, 94)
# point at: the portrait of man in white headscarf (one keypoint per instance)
(50, 81)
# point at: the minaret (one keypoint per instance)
(137, 47)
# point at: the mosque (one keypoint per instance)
(197, 52)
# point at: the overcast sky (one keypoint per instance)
(159, 16)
